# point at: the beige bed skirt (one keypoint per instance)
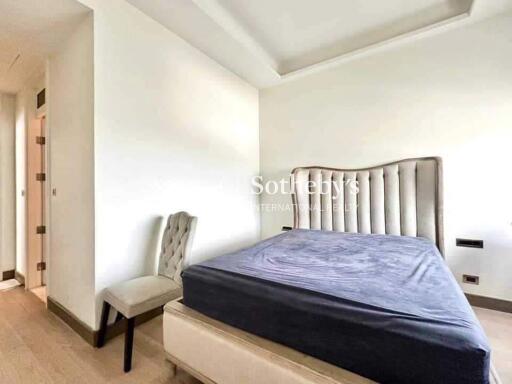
(216, 353)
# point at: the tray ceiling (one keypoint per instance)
(268, 41)
(297, 34)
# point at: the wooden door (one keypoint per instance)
(36, 228)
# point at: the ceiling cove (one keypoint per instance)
(270, 41)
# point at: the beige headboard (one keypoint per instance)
(400, 198)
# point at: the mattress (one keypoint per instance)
(385, 307)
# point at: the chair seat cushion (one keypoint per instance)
(142, 294)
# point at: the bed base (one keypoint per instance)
(216, 353)
(176, 363)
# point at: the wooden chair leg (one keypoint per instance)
(119, 316)
(103, 324)
(128, 345)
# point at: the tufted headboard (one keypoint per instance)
(400, 198)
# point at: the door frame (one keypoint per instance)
(34, 278)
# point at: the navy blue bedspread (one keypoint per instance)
(385, 307)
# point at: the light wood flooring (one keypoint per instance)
(498, 327)
(37, 347)
(40, 292)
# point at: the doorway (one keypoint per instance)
(36, 218)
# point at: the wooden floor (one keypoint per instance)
(498, 327)
(36, 347)
(40, 293)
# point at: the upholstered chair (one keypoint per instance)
(137, 296)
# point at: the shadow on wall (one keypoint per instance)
(153, 229)
(153, 248)
(156, 227)
(241, 243)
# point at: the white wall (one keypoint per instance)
(448, 95)
(7, 184)
(173, 131)
(70, 96)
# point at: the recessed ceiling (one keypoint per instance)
(297, 34)
(267, 41)
(30, 31)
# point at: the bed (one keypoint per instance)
(359, 285)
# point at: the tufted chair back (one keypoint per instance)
(176, 245)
